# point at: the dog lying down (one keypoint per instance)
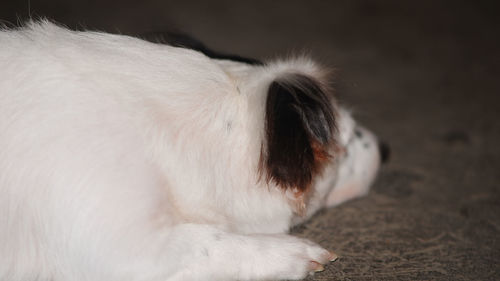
(122, 159)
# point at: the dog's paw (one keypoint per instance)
(287, 257)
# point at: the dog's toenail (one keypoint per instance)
(333, 256)
(316, 266)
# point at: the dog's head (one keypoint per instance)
(310, 148)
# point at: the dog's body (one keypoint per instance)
(127, 160)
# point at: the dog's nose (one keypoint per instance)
(385, 151)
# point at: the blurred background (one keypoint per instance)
(422, 74)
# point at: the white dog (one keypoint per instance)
(122, 159)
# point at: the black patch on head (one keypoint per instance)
(299, 122)
(185, 41)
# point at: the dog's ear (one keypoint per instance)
(300, 127)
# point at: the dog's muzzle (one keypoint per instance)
(384, 151)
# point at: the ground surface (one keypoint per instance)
(423, 76)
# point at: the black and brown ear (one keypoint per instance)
(300, 126)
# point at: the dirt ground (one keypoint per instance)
(423, 75)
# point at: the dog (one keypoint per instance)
(122, 159)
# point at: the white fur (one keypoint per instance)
(127, 160)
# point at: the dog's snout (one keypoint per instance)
(384, 151)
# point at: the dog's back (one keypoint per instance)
(76, 115)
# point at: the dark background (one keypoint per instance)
(423, 75)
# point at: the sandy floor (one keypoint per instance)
(424, 77)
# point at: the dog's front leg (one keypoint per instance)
(206, 253)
